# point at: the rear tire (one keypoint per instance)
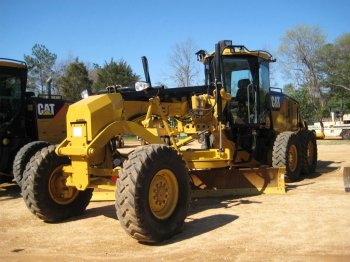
(286, 153)
(23, 156)
(153, 193)
(44, 190)
(308, 151)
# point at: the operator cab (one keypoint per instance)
(244, 74)
(247, 80)
(13, 77)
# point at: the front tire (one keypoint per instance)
(153, 193)
(45, 192)
(23, 156)
(286, 153)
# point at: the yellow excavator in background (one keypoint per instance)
(27, 122)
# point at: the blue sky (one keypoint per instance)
(97, 30)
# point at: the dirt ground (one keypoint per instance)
(310, 222)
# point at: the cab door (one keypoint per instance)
(239, 80)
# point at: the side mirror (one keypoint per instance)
(140, 86)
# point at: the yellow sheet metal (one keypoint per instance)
(103, 196)
(247, 181)
(225, 182)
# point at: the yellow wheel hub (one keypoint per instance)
(293, 158)
(59, 192)
(310, 152)
(163, 194)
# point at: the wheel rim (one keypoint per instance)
(310, 152)
(59, 192)
(293, 158)
(163, 194)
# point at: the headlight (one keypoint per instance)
(77, 131)
(5, 141)
(140, 86)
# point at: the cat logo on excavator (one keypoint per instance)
(46, 109)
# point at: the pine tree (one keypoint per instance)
(75, 80)
(115, 73)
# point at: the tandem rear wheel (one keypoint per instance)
(287, 153)
(297, 152)
(308, 152)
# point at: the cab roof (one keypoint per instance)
(6, 62)
(239, 50)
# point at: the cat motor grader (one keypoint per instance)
(253, 137)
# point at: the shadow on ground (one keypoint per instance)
(196, 206)
(108, 211)
(9, 191)
(198, 226)
(323, 168)
(201, 204)
(193, 226)
(295, 185)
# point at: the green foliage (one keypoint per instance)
(308, 111)
(115, 73)
(339, 100)
(298, 57)
(334, 63)
(289, 90)
(321, 71)
(75, 80)
(40, 65)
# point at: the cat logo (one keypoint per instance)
(276, 101)
(46, 109)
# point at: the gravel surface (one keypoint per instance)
(310, 222)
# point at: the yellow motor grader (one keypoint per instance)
(252, 137)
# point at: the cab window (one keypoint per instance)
(236, 69)
(264, 81)
(10, 86)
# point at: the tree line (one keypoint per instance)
(319, 72)
(71, 77)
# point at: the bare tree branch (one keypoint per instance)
(345, 87)
(298, 57)
(183, 64)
